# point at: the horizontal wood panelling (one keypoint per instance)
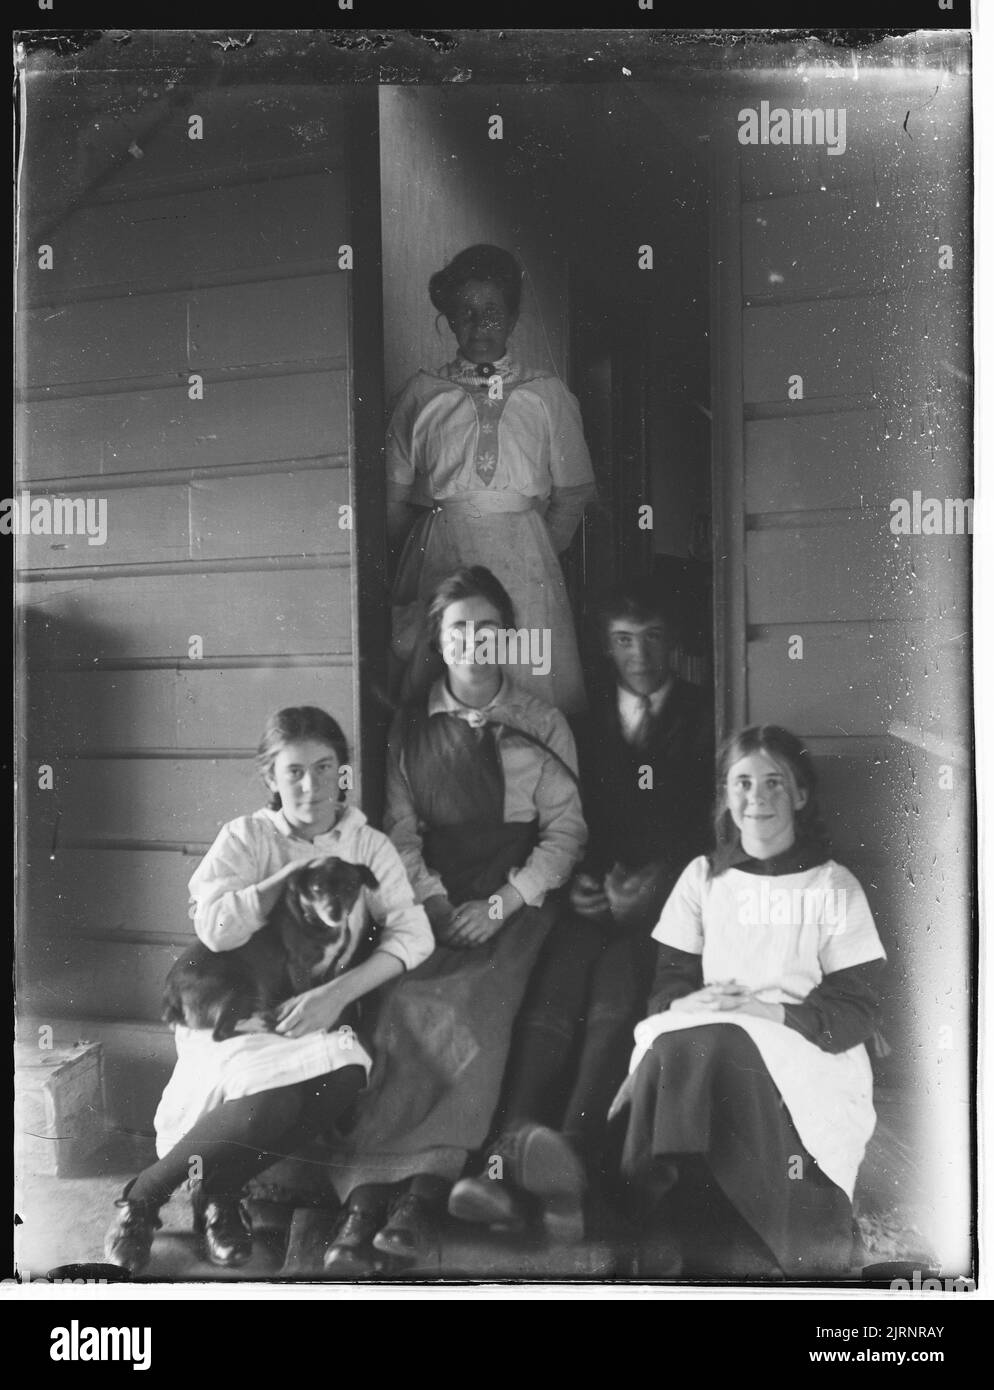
(181, 709)
(891, 809)
(81, 892)
(862, 348)
(168, 381)
(105, 483)
(257, 565)
(218, 257)
(923, 920)
(183, 239)
(256, 661)
(858, 679)
(153, 799)
(271, 322)
(294, 611)
(105, 978)
(848, 460)
(245, 126)
(865, 241)
(209, 519)
(200, 181)
(237, 422)
(854, 572)
(879, 152)
(837, 347)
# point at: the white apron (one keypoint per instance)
(829, 1094)
(779, 936)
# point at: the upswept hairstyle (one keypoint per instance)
(480, 262)
(471, 581)
(787, 750)
(293, 725)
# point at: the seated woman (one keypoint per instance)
(750, 1091)
(270, 1099)
(484, 808)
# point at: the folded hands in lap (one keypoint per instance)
(727, 996)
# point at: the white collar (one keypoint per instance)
(442, 701)
(630, 704)
(344, 829)
(462, 369)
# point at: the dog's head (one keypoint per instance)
(211, 990)
(321, 896)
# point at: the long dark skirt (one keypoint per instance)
(440, 1044)
(706, 1118)
(442, 1032)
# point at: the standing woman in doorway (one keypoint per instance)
(487, 459)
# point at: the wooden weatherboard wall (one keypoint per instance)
(830, 269)
(224, 589)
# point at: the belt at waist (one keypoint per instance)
(481, 503)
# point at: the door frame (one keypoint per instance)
(370, 608)
(727, 443)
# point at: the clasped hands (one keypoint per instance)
(472, 923)
(623, 896)
(727, 996)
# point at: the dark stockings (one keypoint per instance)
(240, 1138)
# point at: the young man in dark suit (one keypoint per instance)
(646, 753)
(646, 762)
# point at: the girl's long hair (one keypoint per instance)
(293, 725)
(787, 750)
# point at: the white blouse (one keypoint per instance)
(528, 442)
(225, 900)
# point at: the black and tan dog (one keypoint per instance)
(299, 947)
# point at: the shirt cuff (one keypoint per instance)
(529, 884)
(409, 954)
(428, 885)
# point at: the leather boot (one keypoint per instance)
(128, 1242)
(225, 1227)
(409, 1234)
(350, 1254)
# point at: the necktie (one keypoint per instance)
(643, 723)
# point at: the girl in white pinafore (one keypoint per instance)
(750, 1086)
(492, 454)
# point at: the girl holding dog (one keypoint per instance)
(750, 1089)
(237, 1105)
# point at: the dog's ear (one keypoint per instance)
(366, 876)
(172, 992)
(226, 1015)
(293, 891)
(172, 1005)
